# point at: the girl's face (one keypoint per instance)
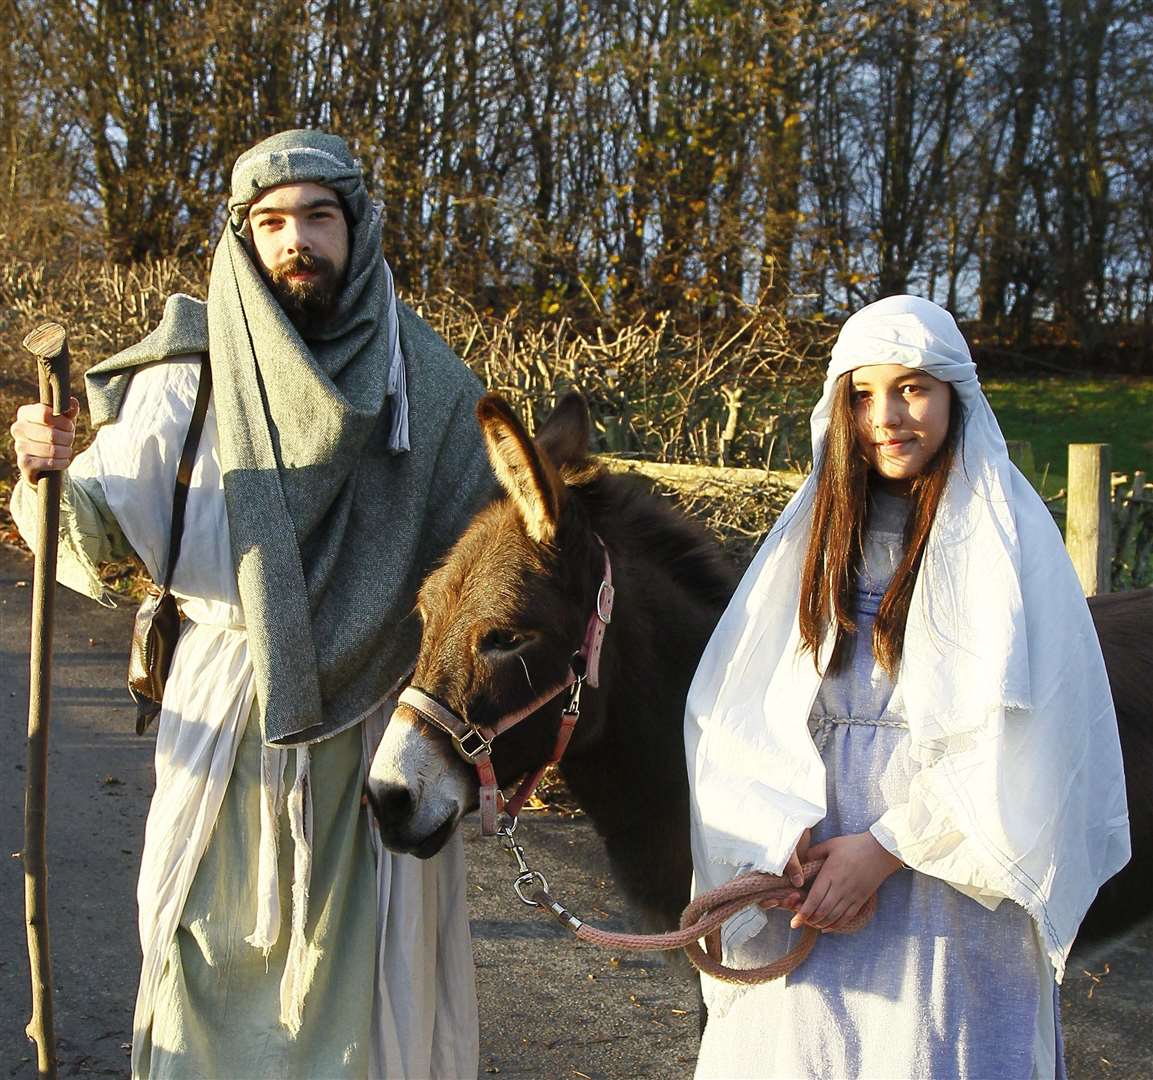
(901, 417)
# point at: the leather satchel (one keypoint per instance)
(157, 626)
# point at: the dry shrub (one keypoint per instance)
(735, 394)
(105, 306)
(739, 521)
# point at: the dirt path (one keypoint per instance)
(549, 1007)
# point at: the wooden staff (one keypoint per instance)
(49, 344)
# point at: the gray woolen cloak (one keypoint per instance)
(333, 524)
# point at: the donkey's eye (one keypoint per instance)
(502, 641)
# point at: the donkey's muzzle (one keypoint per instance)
(392, 803)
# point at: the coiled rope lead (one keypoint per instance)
(702, 919)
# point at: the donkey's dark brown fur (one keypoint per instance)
(508, 609)
(1124, 624)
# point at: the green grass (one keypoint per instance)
(1051, 411)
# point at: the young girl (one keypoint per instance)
(908, 685)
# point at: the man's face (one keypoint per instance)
(301, 240)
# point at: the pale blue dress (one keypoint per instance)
(936, 986)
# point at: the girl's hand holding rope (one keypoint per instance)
(854, 868)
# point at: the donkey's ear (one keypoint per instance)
(564, 436)
(523, 471)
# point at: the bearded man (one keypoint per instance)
(339, 459)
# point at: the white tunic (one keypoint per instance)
(423, 1020)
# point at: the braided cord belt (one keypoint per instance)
(702, 919)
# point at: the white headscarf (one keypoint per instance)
(1019, 791)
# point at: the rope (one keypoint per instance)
(702, 919)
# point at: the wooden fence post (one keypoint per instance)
(1021, 455)
(1088, 521)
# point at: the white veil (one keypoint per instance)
(1020, 791)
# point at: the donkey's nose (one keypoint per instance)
(392, 802)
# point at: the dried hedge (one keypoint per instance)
(735, 395)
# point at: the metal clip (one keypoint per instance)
(516, 851)
(527, 879)
(526, 875)
(573, 707)
(508, 827)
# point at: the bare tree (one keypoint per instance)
(629, 157)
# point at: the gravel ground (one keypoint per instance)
(550, 1007)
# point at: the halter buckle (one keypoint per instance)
(484, 747)
(605, 603)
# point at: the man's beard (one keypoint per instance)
(311, 303)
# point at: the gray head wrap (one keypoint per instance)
(327, 516)
(283, 158)
(299, 157)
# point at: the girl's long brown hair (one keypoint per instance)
(840, 509)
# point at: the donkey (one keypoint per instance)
(507, 610)
(503, 617)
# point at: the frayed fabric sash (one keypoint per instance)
(296, 976)
(267, 930)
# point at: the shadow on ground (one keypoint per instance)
(550, 1007)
